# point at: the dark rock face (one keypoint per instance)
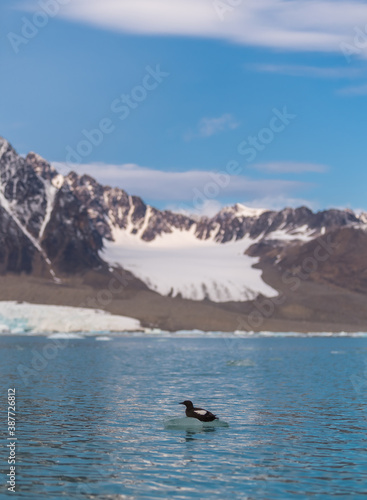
(41, 167)
(22, 189)
(108, 207)
(338, 259)
(71, 241)
(41, 221)
(91, 195)
(16, 250)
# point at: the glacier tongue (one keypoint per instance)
(179, 263)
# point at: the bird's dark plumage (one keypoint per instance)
(199, 413)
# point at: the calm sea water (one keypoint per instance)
(90, 421)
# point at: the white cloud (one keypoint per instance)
(307, 71)
(190, 187)
(209, 208)
(279, 202)
(304, 25)
(208, 127)
(288, 167)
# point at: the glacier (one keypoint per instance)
(179, 263)
(25, 318)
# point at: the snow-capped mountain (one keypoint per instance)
(57, 225)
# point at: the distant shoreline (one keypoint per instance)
(154, 311)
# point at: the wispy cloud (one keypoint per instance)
(159, 185)
(307, 71)
(356, 90)
(278, 202)
(212, 126)
(208, 127)
(209, 208)
(289, 167)
(297, 25)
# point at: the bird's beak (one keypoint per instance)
(181, 403)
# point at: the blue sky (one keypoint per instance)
(179, 88)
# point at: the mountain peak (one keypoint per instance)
(35, 156)
(240, 210)
(246, 211)
(4, 146)
(42, 167)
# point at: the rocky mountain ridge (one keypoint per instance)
(57, 225)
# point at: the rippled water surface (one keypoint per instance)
(91, 423)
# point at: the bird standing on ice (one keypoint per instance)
(199, 413)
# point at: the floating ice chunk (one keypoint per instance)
(17, 330)
(216, 423)
(65, 336)
(183, 423)
(156, 331)
(186, 423)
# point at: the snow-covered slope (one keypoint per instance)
(179, 263)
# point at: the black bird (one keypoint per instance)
(199, 413)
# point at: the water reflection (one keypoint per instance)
(191, 433)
